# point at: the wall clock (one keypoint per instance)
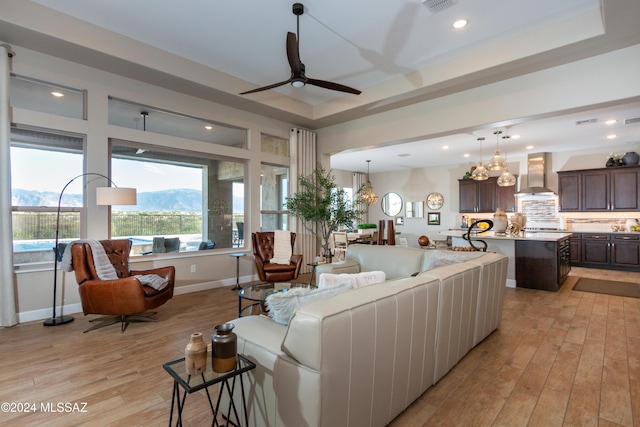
(435, 200)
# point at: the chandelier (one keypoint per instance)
(368, 196)
(480, 173)
(506, 179)
(497, 162)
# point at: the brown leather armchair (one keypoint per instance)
(123, 299)
(263, 251)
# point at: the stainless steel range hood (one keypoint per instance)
(536, 176)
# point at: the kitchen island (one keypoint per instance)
(537, 260)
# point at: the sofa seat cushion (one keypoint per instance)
(357, 280)
(278, 268)
(281, 305)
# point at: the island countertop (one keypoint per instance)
(490, 235)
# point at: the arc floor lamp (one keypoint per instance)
(105, 196)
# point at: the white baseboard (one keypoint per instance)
(46, 313)
(511, 283)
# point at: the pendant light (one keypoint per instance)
(480, 173)
(497, 162)
(368, 196)
(506, 179)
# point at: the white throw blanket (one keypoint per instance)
(281, 247)
(104, 268)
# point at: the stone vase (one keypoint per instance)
(631, 158)
(195, 355)
(224, 345)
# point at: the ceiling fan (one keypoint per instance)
(298, 77)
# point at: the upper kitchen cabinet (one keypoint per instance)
(485, 196)
(599, 190)
(569, 186)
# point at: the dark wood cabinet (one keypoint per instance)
(575, 242)
(596, 194)
(625, 250)
(468, 195)
(542, 264)
(569, 186)
(595, 249)
(625, 189)
(599, 190)
(485, 196)
(613, 251)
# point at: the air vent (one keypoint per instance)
(436, 6)
(632, 121)
(586, 122)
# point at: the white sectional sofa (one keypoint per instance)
(361, 357)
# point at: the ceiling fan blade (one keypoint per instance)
(293, 54)
(260, 89)
(333, 86)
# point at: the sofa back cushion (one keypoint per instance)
(395, 261)
(457, 312)
(433, 258)
(374, 347)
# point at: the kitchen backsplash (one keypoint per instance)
(542, 212)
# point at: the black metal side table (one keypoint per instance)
(191, 384)
(313, 266)
(237, 256)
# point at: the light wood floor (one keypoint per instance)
(567, 358)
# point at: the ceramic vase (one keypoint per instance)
(195, 355)
(224, 348)
(631, 158)
(500, 221)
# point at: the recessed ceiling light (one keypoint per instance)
(611, 136)
(57, 94)
(529, 147)
(460, 23)
(516, 136)
(467, 155)
(445, 147)
(208, 127)
(611, 122)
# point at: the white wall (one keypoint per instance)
(34, 282)
(606, 78)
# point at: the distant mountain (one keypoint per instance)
(177, 200)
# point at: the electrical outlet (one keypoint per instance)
(193, 268)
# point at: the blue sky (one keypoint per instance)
(50, 171)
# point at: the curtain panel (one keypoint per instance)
(359, 180)
(8, 315)
(303, 149)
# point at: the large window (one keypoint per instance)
(186, 201)
(274, 189)
(42, 163)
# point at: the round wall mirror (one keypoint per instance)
(435, 200)
(391, 204)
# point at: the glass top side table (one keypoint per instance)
(192, 383)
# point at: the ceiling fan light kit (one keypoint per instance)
(298, 77)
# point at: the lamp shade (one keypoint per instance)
(108, 196)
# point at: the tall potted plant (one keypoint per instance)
(323, 207)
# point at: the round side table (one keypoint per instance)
(237, 256)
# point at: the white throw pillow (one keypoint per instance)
(357, 280)
(281, 305)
